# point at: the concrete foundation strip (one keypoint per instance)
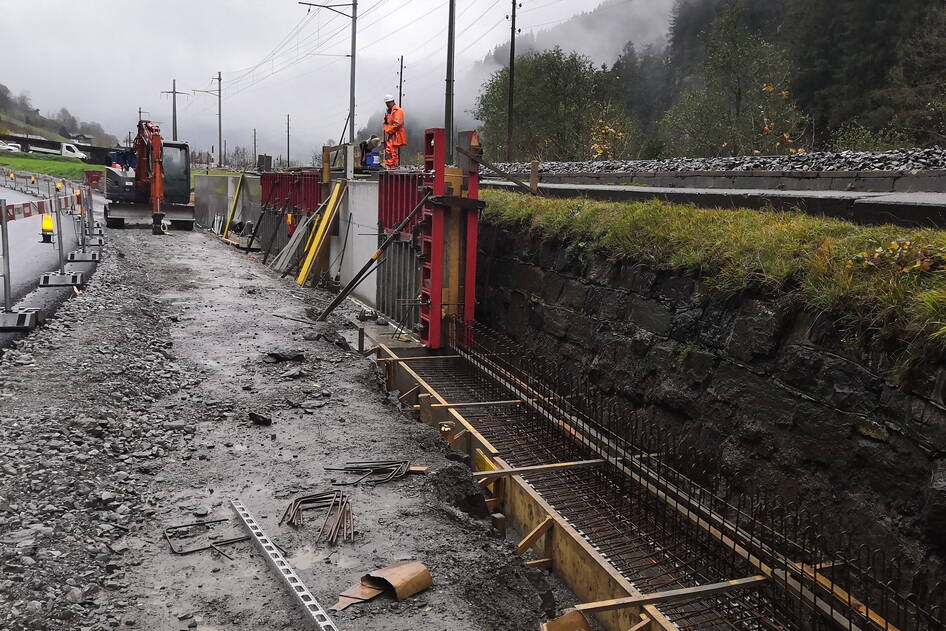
(314, 611)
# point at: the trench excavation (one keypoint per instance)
(654, 508)
(643, 523)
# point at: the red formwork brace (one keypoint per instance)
(431, 241)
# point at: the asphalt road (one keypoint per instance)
(31, 259)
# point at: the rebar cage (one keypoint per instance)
(660, 512)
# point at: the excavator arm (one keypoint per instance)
(149, 174)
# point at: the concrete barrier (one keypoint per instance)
(858, 181)
(908, 209)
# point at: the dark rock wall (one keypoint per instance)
(783, 399)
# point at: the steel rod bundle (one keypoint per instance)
(388, 469)
(338, 517)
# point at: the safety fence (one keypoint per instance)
(77, 205)
(662, 512)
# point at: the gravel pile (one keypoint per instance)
(897, 160)
(75, 461)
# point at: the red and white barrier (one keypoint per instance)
(41, 207)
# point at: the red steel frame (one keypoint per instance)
(432, 243)
(399, 193)
(298, 191)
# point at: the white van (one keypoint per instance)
(65, 150)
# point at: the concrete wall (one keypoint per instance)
(784, 399)
(213, 195)
(360, 210)
(860, 181)
(905, 209)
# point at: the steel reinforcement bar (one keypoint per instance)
(659, 511)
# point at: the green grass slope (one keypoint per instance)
(884, 279)
(57, 166)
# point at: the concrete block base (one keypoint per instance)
(84, 257)
(18, 320)
(69, 279)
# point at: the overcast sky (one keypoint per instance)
(102, 59)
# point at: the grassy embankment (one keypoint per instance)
(19, 127)
(880, 279)
(57, 166)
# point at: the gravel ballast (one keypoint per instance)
(902, 160)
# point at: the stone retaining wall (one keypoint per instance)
(785, 400)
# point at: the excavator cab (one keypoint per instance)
(177, 173)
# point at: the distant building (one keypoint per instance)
(83, 138)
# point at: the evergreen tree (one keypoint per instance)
(566, 108)
(916, 97)
(745, 105)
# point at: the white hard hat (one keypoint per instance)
(388, 98)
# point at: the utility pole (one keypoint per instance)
(400, 83)
(351, 103)
(287, 142)
(512, 82)
(354, 35)
(219, 93)
(254, 146)
(448, 101)
(173, 92)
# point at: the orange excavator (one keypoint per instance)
(152, 178)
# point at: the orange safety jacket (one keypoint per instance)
(394, 131)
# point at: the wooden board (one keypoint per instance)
(534, 535)
(536, 468)
(671, 595)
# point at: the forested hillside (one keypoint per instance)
(737, 77)
(18, 115)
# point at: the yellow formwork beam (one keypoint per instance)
(320, 238)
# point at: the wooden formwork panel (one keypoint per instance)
(591, 577)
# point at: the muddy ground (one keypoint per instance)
(128, 413)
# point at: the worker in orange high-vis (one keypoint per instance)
(395, 136)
